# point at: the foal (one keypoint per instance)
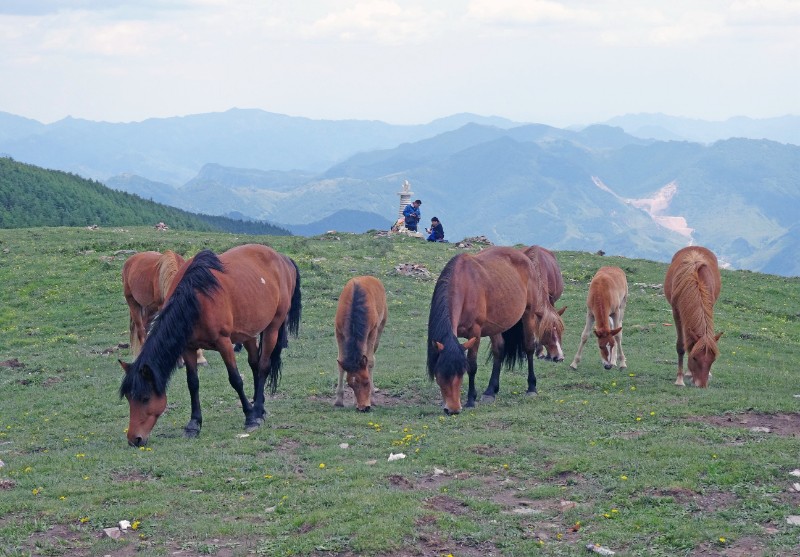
(608, 295)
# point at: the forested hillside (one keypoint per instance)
(31, 196)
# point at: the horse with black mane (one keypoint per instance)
(361, 316)
(488, 294)
(249, 294)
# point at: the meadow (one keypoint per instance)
(625, 460)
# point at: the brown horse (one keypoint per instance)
(549, 327)
(608, 295)
(251, 295)
(692, 286)
(489, 294)
(146, 278)
(360, 318)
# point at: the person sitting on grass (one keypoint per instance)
(435, 232)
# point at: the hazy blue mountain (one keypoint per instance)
(173, 150)
(344, 220)
(783, 129)
(738, 197)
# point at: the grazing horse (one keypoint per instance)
(251, 295)
(549, 327)
(608, 295)
(488, 294)
(692, 286)
(146, 278)
(360, 318)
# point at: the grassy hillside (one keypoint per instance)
(622, 459)
(33, 196)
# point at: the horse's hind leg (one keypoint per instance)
(340, 389)
(679, 348)
(225, 349)
(621, 361)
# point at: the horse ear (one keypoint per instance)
(470, 343)
(596, 333)
(147, 373)
(717, 337)
(562, 310)
(615, 332)
(439, 345)
(125, 366)
(364, 360)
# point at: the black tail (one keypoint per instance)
(514, 340)
(293, 320)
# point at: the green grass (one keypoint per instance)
(638, 462)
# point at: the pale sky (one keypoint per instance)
(557, 62)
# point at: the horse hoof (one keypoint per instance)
(191, 433)
(573, 366)
(532, 393)
(339, 403)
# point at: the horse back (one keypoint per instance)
(549, 270)
(140, 279)
(494, 287)
(373, 296)
(688, 263)
(608, 289)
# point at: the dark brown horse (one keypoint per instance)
(549, 327)
(251, 295)
(608, 296)
(489, 294)
(691, 286)
(360, 318)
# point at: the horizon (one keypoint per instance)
(556, 62)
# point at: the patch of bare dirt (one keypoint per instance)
(13, 362)
(380, 399)
(706, 501)
(447, 504)
(742, 547)
(782, 424)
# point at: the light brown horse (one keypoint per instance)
(489, 294)
(549, 327)
(691, 286)
(146, 278)
(608, 295)
(251, 295)
(360, 318)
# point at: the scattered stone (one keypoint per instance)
(567, 505)
(398, 456)
(599, 549)
(412, 270)
(113, 533)
(124, 524)
(438, 471)
(796, 487)
(371, 462)
(243, 435)
(759, 429)
(344, 445)
(794, 520)
(795, 473)
(271, 509)
(477, 240)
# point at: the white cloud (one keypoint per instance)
(382, 21)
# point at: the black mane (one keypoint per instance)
(171, 329)
(453, 359)
(357, 331)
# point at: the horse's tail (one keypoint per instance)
(514, 349)
(275, 361)
(293, 319)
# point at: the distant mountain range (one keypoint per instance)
(596, 188)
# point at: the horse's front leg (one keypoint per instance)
(584, 337)
(531, 376)
(192, 428)
(498, 346)
(472, 369)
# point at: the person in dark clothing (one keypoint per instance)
(412, 215)
(435, 232)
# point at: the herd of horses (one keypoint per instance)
(250, 295)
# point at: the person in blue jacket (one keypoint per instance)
(412, 215)
(435, 232)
